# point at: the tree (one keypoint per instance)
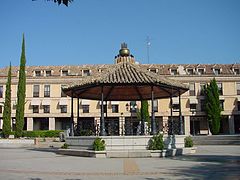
(7, 106)
(65, 2)
(146, 115)
(213, 108)
(143, 114)
(21, 93)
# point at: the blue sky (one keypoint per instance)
(91, 31)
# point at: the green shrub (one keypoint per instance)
(156, 142)
(43, 133)
(86, 132)
(65, 146)
(99, 144)
(12, 133)
(188, 142)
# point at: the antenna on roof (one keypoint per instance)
(148, 47)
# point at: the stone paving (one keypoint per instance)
(210, 162)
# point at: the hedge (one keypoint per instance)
(41, 133)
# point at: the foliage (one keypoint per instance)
(99, 144)
(21, 93)
(86, 132)
(156, 142)
(65, 2)
(65, 146)
(145, 112)
(7, 107)
(44, 133)
(188, 142)
(213, 109)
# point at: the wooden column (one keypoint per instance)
(153, 121)
(142, 119)
(102, 120)
(171, 118)
(180, 114)
(72, 120)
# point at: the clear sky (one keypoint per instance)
(91, 31)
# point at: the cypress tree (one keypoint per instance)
(143, 112)
(7, 106)
(21, 93)
(213, 108)
(146, 116)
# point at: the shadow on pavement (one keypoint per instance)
(209, 158)
(210, 167)
(44, 149)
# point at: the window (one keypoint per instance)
(174, 103)
(1, 109)
(85, 108)
(190, 71)
(173, 71)
(155, 105)
(192, 89)
(238, 105)
(200, 71)
(236, 71)
(35, 108)
(105, 108)
(153, 70)
(238, 88)
(37, 73)
(46, 109)
(35, 90)
(86, 72)
(201, 90)
(203, 106)
(49, 73)
(114, 108)
(1, 91)
(175, 107)
(222, 104)
(133, 106)
(220, 90)
(64, 73)
(193, 107)
(216, 71)
(62, 93)
(47, 91)
(63, 108)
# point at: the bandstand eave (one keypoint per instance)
(123, 92)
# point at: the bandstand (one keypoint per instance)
(126, 81)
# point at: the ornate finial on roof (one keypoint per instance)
(124, 55)
(124, 45)
(124, 51)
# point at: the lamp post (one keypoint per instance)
(193, 111)
(127, 109)
(133, 107)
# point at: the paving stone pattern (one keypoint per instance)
(210, 162)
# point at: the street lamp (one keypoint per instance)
(193, 119)
(127, 107)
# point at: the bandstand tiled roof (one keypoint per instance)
(125, 81)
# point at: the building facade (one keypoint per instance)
(48, 108)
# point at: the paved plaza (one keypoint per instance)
(210, 162)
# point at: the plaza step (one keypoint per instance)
(217, 140)
(128, 154)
